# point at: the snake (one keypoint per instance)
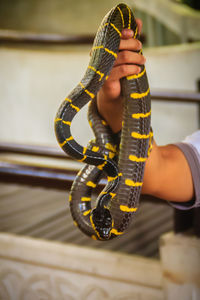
(120, 158)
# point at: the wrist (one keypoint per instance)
(111, 111)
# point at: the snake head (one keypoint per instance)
(102, 223)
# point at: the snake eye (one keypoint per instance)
(103, 222)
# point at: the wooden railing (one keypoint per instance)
(176, 96)
(22, 37)
(180, 97)
(35, 174)
(16, 36)
(20, 172)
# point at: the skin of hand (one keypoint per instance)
(167, 174)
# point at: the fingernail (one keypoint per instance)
(127, 33)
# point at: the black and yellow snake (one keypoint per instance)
(123, 165)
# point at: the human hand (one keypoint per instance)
(109, 100)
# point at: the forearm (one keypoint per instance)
(111, 111)
(167, 174)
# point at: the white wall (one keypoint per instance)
(33, 82)
(176, 68)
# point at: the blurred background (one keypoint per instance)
(44, 52)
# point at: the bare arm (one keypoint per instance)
(167, 173)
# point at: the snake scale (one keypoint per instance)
(123, 163)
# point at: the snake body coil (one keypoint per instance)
(119, 200)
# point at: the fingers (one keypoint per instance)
(128, 54)
(127, 42)
(130, 44)
(129, 57)
(121, 71)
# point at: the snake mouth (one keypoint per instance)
(102, 222)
